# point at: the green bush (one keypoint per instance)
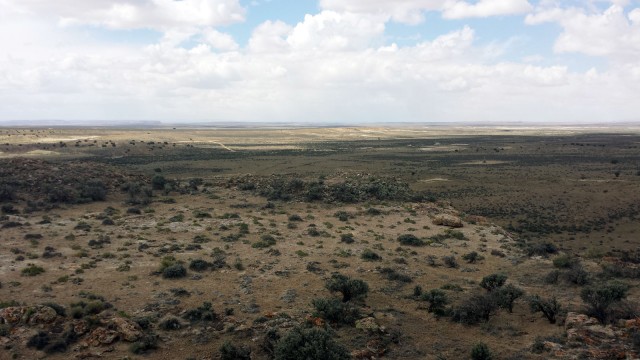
(199, 265)
(493, 281)
(228, 351)
(475, 309)
(32, 270)
(351, 289)
(599, 298)
(437, 301)
(481, 351)
(174, 271)
(335, 311)
(507, 295)
(370, 255)
(145, 343)
(347, 238)
(472, 257)
(410, 240)
(550, 307)
(170, 323)
(309, 344)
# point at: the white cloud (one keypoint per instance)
(331, 66)
(609, 32)
(133, 14)
(485, 8)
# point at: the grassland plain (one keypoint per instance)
(176, 243)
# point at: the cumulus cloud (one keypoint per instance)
(334, 65)
(485, 8)
(133, 14)
(610, 32)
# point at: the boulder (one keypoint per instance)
(448, 220)
(127, 329)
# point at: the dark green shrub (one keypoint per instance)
(202, 313)
(370, 255)
(565, 261)
(481, 351)
(32, 270)
(170, 323)
(450, 261)
(295, 217)
(351, 289)
(347, 238)
(228, 351)
(335, 311)
(472, 257)
(393, 275)
(599, 298)
(437, 301)
(475, 309)
(144, 344)
(265, 242)
(7, 192)
(410, 240)
(158, 182)
(343, 215)
(93, 190)
(552, 277)
(39, 340)
(309, 344)
(59, 309)
(507, 295)
(550, 308)
(174, 271)
(542, 249)
(493, 281)
(199, 265)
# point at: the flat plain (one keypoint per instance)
(179, 242)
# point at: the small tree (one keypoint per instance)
(472, 257)
(349, 288)
(475, 309)
(599, 298)
(493, 281)
(437, 300)
(507, 295)
(548, 307)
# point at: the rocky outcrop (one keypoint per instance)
(448, 220)
(32, 315)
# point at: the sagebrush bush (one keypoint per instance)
(493, 281)
(550, 307)
(309, 344)
(599, 298)
(410, 240)
(351, 289)
(174, 271)
(335, 311)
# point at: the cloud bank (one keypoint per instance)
(336, 65)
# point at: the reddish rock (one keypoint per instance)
(127, 329)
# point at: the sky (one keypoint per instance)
(320, 61)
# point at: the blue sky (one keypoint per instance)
(354, 61)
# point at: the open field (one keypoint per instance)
(260, 219)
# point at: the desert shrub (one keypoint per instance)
(351, 289)
(158, 182)
(507, 295)
(315, 191)
(437, 301)
(393, 275)
(480, 351)
(144, 344)
(7, 192)
(93, 190)
(134, 211)
(475, 309)
(199, 265)
(9, 209)
(552, 277)
(228, 351)
(295, 217)
(347, 238)
(174, 271)
(577, 275)
(472, 257)
(599, 298)
(542, 249)
(202, 313)
(309, 344)
(450, 261)
(59, 309)
(335, 311)
(32, 270)
(550, 307)
(170, 323)
(343, 215)
(265, 242)
(39, 340)
(493, 281)
(564, 261)
(370, 255)
(410, 240)
(373, 211)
